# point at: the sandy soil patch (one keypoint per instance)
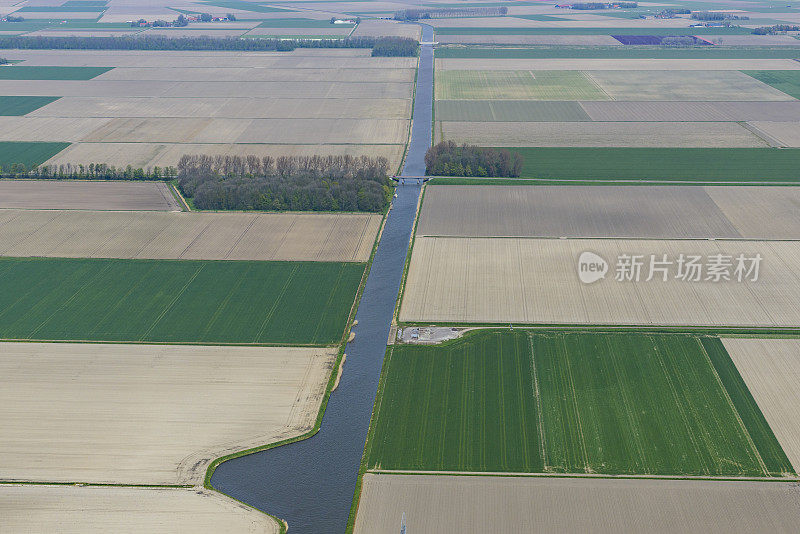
(78, 510)
(524, 280)
(665, 212)
(155, 414)
(786, 133)
(437, 503)
(182, 235)
(601, 134)
(332, 31)
(69, 129)
(771, 370)
(382, 28)
(78, 195)
(685, 85)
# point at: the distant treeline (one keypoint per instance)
(603, 5)
(3, 61)
(772, 30)
(450, 159)
(444, 13)
(395, 47)
(91, 171)
(705, 15)
(159, 42)
(295, 183)
(678, 41)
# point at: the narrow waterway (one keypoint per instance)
(310, 484)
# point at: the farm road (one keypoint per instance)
(310, 484)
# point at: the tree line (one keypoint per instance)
(91, 171)
(604, 5)
(443, 13)
(705, 15)
(386, 45)
(294, 183)
(449, 159)
(395, 47)
(772, 30)
(3, 61)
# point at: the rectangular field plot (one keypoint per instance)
(24, 72)
(689, 111)
(28, 154)
(97, 510)
(82, 195)
(786, 81)
(602, 134)
(201, 236)
(22, 105)
(171, 301)
(524, 280)
(636, 163)
(665, 212)
(572, 403)
(509, 111)
(770, 369)
(516, 85)
(684, 85)
(439, 503)
(149, 414)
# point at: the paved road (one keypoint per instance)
(310, 484)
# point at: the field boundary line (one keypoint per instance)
(772, 142)
(588, 75)
(746, 432)
(538, 398)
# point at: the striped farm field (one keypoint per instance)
(28, 154)
(516, 85)
(176, 301)
(655, 404)
(22, 105)
(636, 163)
(509, 111)
(784, 80)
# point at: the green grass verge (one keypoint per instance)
(28, 154)
(734, 30)
(787, 81)
(693, 164)
(622, 52)
(176, 301)
(507, 401)
(23, 72)
(22, 105)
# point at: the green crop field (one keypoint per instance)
(635, 403)
(22, 105)
(28, 154)
(176, 301)
(515, 85)
(622, 52)
(693, 164)
(787, 81)
(243, 5)
(733, 30)
(23, 72)
(509, 111)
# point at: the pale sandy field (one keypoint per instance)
(593, 64)
(149, 414)
(183, 235)
(383, 28)
(657, 212)
(96, 510)
(603, 110)
(436, 503)
(685, 85)
(771, 370)
(525, 280)
(786, 133)
(163, 155)
(600, 134)
(338, 32)
(256, 74)
(80, 195)
(226, 108)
